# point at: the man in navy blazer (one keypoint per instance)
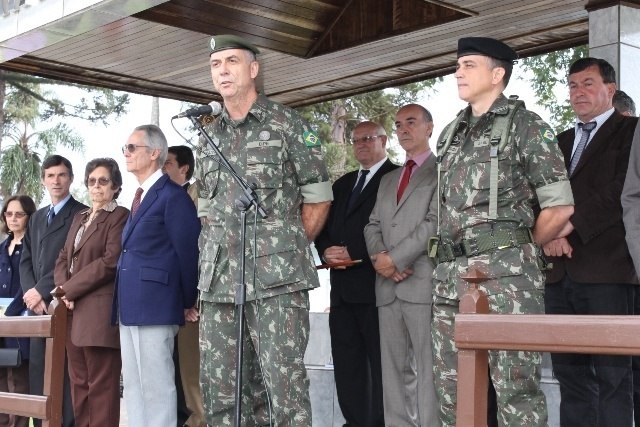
(353, 319)
(156, 280)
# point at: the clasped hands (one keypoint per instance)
(384, 266)
(34, 302)
(560, 246)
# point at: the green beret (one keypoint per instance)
(229, 41)
(486, 47)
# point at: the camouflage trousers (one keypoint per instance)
(274, 376)
(515, 374)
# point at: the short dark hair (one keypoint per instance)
(56, 160)
(501, 63)
(607, 72)
(114, 171)
(28, 206)
(623, 103)
(184, 156)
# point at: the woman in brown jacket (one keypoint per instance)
(86, 269)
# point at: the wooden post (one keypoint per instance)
(473, 365)
(54, 359)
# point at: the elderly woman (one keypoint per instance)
(86, 269)
(15, 217)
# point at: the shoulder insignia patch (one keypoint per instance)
(311, 139)
(548, 135)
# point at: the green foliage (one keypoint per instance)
(550, 75)
(379, 106)
(31, 127)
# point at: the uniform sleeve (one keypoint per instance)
(305, 152)
(543, 160)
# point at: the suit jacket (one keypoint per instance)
(42, 244)
(631, 201)
(90, 286)
(403, 229)
(354, 284)
(600, 254)
(157, 272)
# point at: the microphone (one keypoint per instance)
(213, 109)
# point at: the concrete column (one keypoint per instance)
(614, 35)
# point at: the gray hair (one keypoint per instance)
(155, 139)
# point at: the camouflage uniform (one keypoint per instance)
(274, 148)
(531, 172)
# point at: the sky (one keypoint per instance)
(107, 141)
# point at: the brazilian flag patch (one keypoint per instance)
(548, 135)
(311, 139)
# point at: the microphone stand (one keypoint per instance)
(243, 204)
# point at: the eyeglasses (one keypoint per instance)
(101, 181)
(131, 147)
(18, 214)
(365, 139)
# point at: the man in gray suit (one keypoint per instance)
(401, 223)
(46, 234)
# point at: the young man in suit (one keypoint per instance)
(353, 319)
(401, 223)
(45, 236)
(156, 280)
(592, 270)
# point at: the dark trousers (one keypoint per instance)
(14, 380)
(355, 348)
(36, 380)
(595, 390)
(635, 366)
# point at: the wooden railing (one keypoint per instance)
(476, 332)
(53, 327)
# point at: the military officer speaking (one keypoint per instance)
(274, 148)
(496, 161)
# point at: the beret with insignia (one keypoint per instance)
(229, 41)
(487, 47)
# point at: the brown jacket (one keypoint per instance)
(600, 253)
(91, 285)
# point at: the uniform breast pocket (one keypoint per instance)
(264, 164)
(480, 173)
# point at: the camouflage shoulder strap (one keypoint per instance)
(499, 139)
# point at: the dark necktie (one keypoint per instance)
(406, 176)
(136, 201)
(50, 215)
(586, 131)
(357, 189)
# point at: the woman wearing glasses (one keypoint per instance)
(15, 217)
(86, 269)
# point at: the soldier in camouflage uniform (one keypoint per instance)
(272, 146)
(489, 229)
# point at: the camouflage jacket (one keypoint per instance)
(531, 175)
(274, 148)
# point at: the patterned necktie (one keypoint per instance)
(357, 189)
(50, 215)
(406, 176)
(586, 131)
(136, 201)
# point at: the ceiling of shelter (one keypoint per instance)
(312, 50)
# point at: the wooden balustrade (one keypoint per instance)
(53, 327)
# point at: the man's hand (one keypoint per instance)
(335, 254)
(34, 302)
(385, 266)
(558, 247)
(191, 314)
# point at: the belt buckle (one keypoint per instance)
(513, 240)
(457, 250)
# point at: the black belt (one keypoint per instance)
(485, 242)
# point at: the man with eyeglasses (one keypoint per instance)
(156, 280)
(272, 147)
(353, 319)
(401, 223)
(45, 237)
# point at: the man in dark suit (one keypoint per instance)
(353, 319)
(592, 270)
(156, 280)
(45, 236)
(400, 225)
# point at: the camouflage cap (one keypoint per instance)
(487, 47)
(229, 41)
